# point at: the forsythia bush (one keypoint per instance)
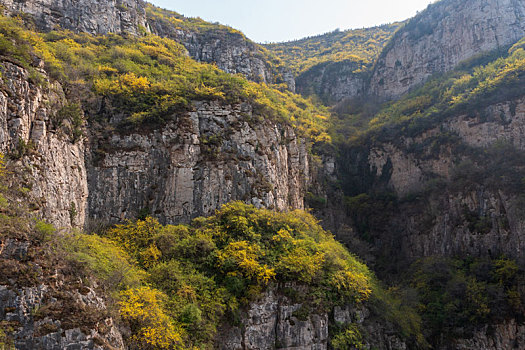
(143, 310)
(209, 269)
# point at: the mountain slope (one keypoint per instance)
(132, 136)
(357, 44)
(442, 36)
(336, 65)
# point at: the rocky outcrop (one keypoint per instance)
(193, 165)
(508, 335)
(503, 123)
(43, 311)
(333, 81)
(52, 166)
(450, 202)
(186, 169)
(225, 47)
(447, 33)
(275, 321)
(94, 17)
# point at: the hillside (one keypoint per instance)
(360, 45)
(334, 65)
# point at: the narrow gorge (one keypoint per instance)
(167, 183)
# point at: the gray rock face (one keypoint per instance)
(48, 333)
(25, 310)
(439, 226)
(508, 335)
(276, 322)
(94, 17)
(436, 40)
(188, 168)
(333, 81)
(55, 172)
(195, 164)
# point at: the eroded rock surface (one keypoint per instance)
(94, 17)
(54, 171)
(193, 165)
(447, 33)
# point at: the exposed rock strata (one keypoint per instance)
(277, 322)
(195, 164)
(94, 17)
(46, 312)
(333, 81)
(446, 220)
(447, 33)
(508, 335)
(54, 167)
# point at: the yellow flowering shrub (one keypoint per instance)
(143, 310)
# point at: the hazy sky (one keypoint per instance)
(283, 20)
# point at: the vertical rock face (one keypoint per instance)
(55, 173)
(271, 323)
(508, 335)
(333, 81)
(473, 219)
(436, 40)
(195, 164)
(277, 322)
(44, 311)
(94, 17)
(188, 168)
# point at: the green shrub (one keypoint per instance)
(457, 295)
(349, 338)
(44, 231)
(104, 259)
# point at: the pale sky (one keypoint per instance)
(283, 20)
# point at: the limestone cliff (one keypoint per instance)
(445, 34)
(46, 302)
(54, 168)
(333, 81)
(94, 17)
(193, 165)
(276, 321)
(441, 226)
(188, 168)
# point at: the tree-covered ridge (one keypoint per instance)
(147, 79)
(358, 45)
(483, 80)
(178, 27)
(194, 24)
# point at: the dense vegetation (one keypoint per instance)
(151, 76)
(209, 270)
(358, 45)
(458, 295)
(193, 24)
